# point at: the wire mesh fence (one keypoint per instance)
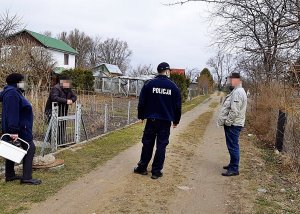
(266, 107)
(93, 112)
(192, 93)
(99, 114)
(126, 86)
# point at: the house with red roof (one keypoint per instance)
(178, 71)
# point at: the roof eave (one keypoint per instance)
(63, 51)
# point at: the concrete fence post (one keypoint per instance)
(128, 112)
(54, 126)
(78, 123)
(105, 118)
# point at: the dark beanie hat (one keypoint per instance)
(64, 77)
(14, 78)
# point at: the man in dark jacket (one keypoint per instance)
(17, 120)
(160, 104)
(63, 95)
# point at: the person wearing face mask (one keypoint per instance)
(63, 95)
(228, 87)
(17, 120)
(232, 116)
(160, 105)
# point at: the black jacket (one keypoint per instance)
(160, 99)
(59, 95)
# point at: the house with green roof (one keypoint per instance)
(62, 53)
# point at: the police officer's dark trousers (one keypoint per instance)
(27, 163)
(159, 131)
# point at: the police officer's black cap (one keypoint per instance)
(235, 76)
(14, 78)
(162, 67)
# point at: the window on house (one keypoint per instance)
(66, 59)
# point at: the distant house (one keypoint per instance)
(107, 70)
(63, 54)
(178, 71)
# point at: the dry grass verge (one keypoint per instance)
(262, 169)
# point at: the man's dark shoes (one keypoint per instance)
(230, 173)
(14, 178)
(31, 182)
(157, 175)
(140, 171)
(226, 167)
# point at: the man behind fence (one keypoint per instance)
(232, 117)
(160, 104)
(63, 95)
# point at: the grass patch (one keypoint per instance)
(196, 129)
(213, 105)
(15, 198)
(189, 105)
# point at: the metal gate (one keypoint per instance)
(63, 129)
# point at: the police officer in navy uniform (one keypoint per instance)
(17, 120)
(160, 105)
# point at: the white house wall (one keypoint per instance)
(59, 59)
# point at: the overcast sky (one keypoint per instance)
(154, 32)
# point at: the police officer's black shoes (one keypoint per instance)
(14, 178)
(230, 173)
(140, 171)
(157, 175)
(31, 182)
(226, 167)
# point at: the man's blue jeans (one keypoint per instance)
(232, 134)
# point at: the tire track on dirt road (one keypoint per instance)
(207, 190)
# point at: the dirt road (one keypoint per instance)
(191, 183)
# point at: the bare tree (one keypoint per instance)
(141, 70)
(112, 51)
(82, 43)
(47, 33)
(192, 74)
(94, 52)
(9, 24)
(266, 30)
(25, 57)
(222, 65)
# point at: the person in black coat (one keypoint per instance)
(63, 95)
(17, 120)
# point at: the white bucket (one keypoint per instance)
(11, 152)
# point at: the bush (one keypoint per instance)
(81, 79)
(182, 83)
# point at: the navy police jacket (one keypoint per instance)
(17, 115)
(160, 99)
